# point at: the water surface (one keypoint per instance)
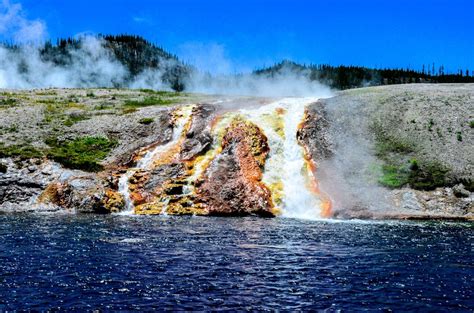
(126, 262)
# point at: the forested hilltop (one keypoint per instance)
(346, 77)
(138, 56)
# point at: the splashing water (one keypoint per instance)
(181, 118)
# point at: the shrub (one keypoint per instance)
(83, 153)
(428, 176)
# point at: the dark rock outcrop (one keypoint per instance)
(313, 133)
(198, 137)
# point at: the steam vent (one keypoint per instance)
(222, 161)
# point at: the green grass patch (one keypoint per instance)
(82, 153)
(161, 92)
(146, 121)
(46, 93)
(129, 110)
(419, 175)
(103, 106)
(148, 101)
(73, 119)
(8, 102)
(393, 176)
(22, 152)
(387, 144)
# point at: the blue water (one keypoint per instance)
(119, 262)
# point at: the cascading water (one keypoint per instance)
(181, 117)
(286, 172)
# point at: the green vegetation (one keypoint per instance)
(129, 110)
(103, 106)
(90, 95)
(459, 136)
(430, 125)
(427, 176)
(3, 168)
(148, 101)
(83, 153)
(8, 102)
(73, 119)
(424, 176)
(471, 124)
(11, 129)
(146, 120)
(23, 152)
(401, 168)
(393, 176)
(46, 93)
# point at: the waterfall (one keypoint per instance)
(286, 173)
(181, 117)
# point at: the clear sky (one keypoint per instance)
(235, 35)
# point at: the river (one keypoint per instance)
(51, 261)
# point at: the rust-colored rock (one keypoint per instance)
(232, 183)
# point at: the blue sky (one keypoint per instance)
(231, 35)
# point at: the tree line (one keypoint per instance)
(344, 77)
(137, 55)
